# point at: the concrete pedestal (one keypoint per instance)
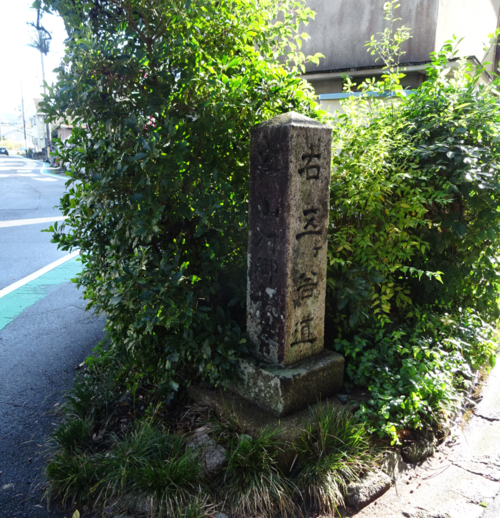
(284, 391)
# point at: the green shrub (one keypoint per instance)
(162, 96)
(413, 276)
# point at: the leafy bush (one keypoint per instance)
(413, 274)
(162, 96)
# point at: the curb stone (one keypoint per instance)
(394, 465)
(368, 489)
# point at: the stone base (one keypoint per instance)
(284, 391)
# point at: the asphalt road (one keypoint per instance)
(44, 332)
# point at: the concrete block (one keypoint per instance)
(284, 391)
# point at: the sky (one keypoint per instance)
(20, 63)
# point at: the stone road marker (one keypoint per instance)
(290, 158)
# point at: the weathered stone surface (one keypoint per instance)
(421, 513)
(289, 197)
(417, 451)
(215, 458)
(212, 455)
(198, 440)
(394, 465)
(290, 159)
(368, 489)
(252, 418)
(284, 391)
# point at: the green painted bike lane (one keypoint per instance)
(14, 303)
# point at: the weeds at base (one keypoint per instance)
(145, 467)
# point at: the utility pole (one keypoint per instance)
(42, 44)
(24, 122)
(48, 140)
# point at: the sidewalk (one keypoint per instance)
(462, 480)
(45, 334)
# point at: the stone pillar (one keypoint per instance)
(290, 159)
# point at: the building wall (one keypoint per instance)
(342, 27)
(63, 132)
(40, 131)
(471, 20)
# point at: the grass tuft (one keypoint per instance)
(71, 477)
(147, 469)
(333, 450)
(73, 435)
(252, 483)
(113, 450)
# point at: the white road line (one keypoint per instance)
(45, 269)
(46, 172)
(31, 221)
(16, 175)
(45, 179)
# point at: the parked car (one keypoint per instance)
(3, 151)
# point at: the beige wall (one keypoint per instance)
(342, 27)
(471, 20)
(63, 132)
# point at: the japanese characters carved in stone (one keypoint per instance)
(290, 159)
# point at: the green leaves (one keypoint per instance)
(415, 197)
(162, 96)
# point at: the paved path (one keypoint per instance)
(44, 332)
(462, 480)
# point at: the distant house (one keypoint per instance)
(342, 27)
(10, 132)
(63, 131)
(40, 129)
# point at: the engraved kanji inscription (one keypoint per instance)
(311, 223)
(288, 207)
(267, 267)
(266, 241)
(303, 332)
(307, 283)
(311, 215)
(311, 168)
(316, 250)
(266, 210)
(269, 158)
